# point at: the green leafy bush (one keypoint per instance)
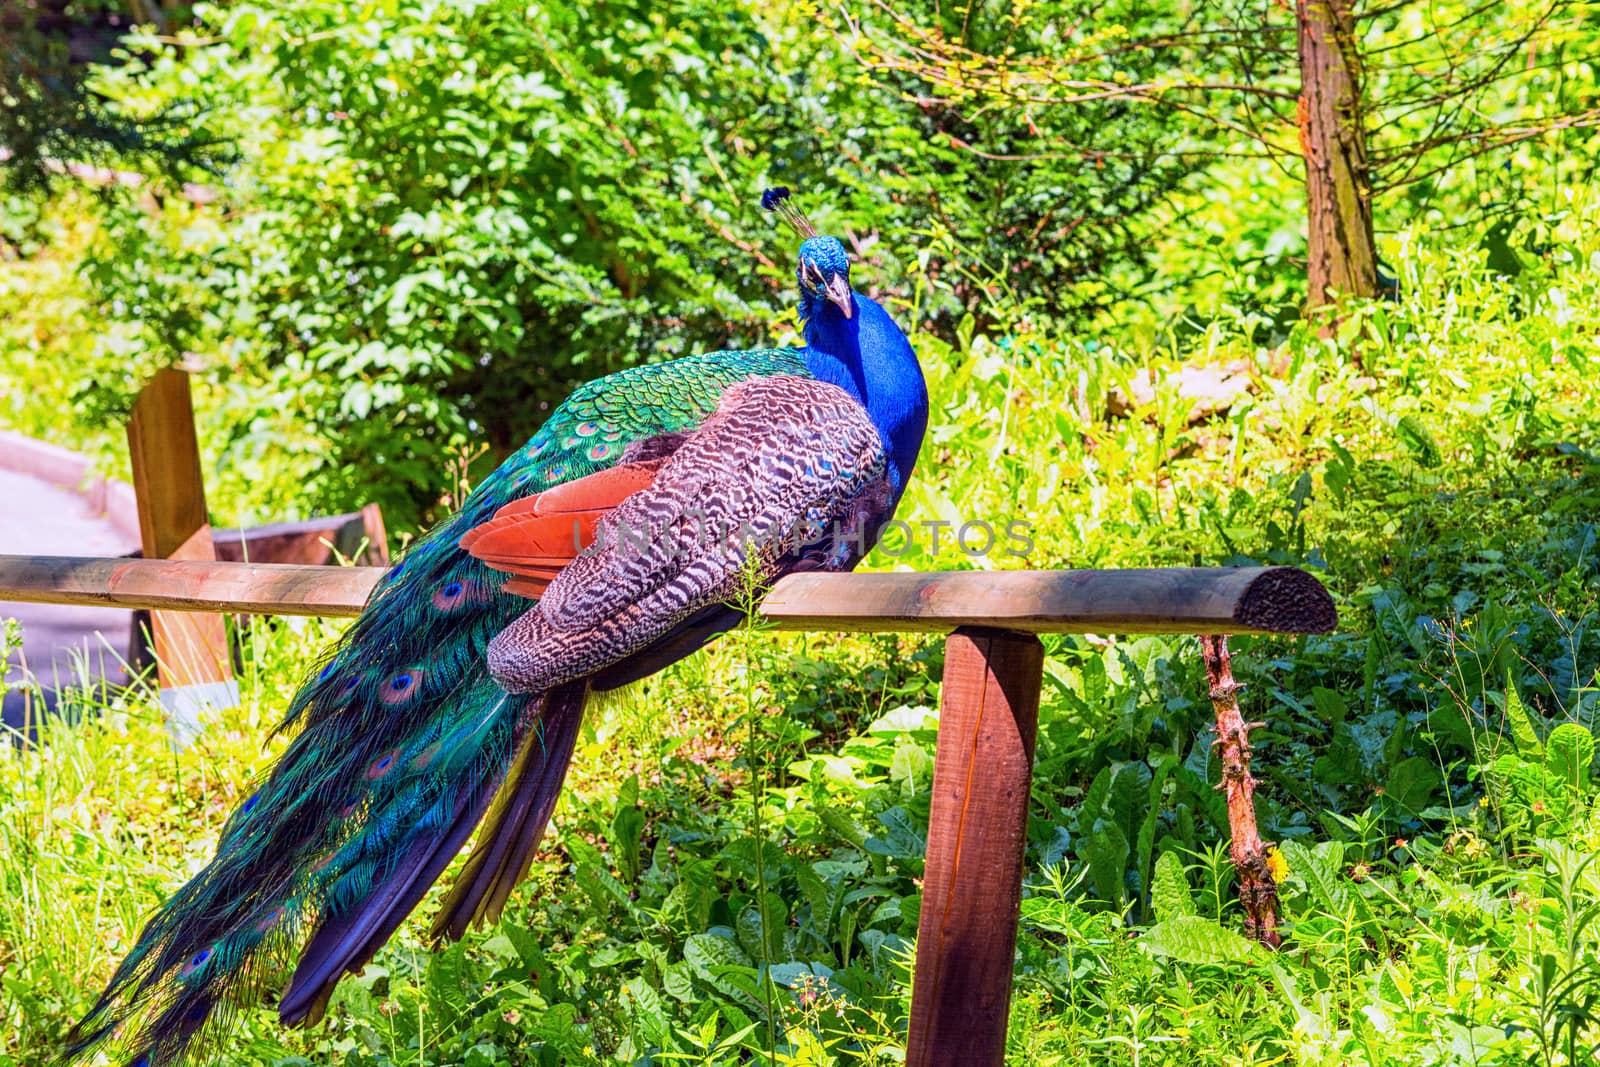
(733, 875)
(448, 216)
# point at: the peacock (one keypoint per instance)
(612, 544)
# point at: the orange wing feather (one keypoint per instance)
(532, 539)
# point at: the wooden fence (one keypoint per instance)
(972, 885)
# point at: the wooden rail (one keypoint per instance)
(1181, 600)
(977, 828)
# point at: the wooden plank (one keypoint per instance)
(246, 588)
(358, 536)
(191, 648)
(1215, 600)
(977, 833)
(377, 552)
(47, 462)
(166, 464)
(193, 661)
(1232, 600)
(75, 473)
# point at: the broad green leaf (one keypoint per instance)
(627, 827)
(589, 871)
(679, 983)
(1419, 441)
(723, 965)
(1106, 850)
(447, 970)
(1145, 842)
(649, 1014)
(1169, 889)
(1520, 723)
(1569, 754)
(763, 940)
(905, 720)
(707, 952)
(1192, 939)
(1411, 783)
(1321, 870)
(1330, 705)
(903, 841)
(911, 769)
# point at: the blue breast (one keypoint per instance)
(869, 357)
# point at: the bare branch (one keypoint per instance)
(1483, 141)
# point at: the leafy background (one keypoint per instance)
(441, 215)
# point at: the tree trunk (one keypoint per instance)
(1343, 257)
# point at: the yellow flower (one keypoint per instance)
(1277, 866)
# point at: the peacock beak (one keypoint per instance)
(838, 290)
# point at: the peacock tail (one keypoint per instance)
(401, 741)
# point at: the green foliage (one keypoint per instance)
(446, 217)
(1054, 218)
(1169, 893)
(443, 215)
(51, 117)
(733, 874)
(1192, 939)
(1569, 755)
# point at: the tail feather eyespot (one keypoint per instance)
(196, 961)
(402, 686)
(454, 594)
(196, 1015)
(382, 765)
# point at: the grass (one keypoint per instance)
(733, 873)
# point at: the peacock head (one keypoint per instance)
(823, 270)
(824, 274)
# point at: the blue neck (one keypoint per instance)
(869, 357)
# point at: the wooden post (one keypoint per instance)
(977, 832)
(192, 655)
(1258, 893)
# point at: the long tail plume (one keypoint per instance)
(402, 741)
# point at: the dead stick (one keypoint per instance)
(1258, 893)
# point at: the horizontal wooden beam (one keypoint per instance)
(169, 585)
(1184, 600)
(1170, 600)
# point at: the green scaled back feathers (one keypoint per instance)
(402, 737)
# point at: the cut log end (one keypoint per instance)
(1287, 600)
